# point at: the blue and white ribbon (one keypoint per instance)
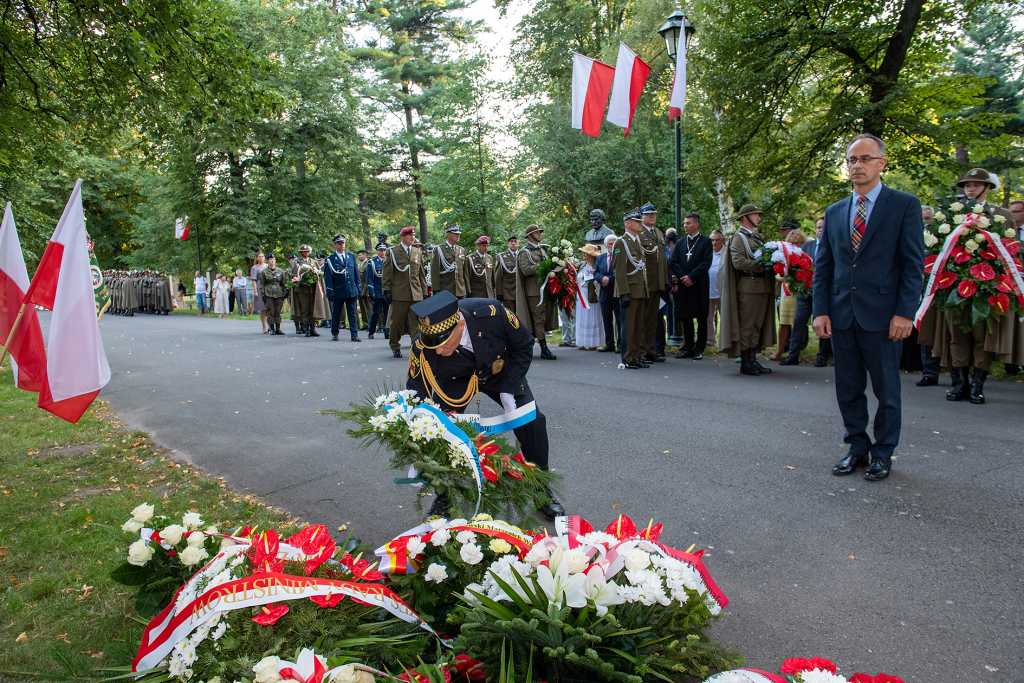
(503, 423)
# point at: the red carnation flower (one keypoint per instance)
(1004, 283)
(880, 678)
(947, 280)
(798, 664)
(982, 272)
(1012, 246)
(967, 288)
(1000, 303)
(929, 261)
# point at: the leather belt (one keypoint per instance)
(744, 273)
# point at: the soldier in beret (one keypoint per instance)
(480, 274)
(747, 291)
(473, 346)
(505, 273)
(274, 291)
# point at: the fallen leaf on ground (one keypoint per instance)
(22, 638)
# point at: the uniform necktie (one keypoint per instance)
(859, 222)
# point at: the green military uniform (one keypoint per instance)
(272, 284)
(448, 269)
(480, 275)
(653, 242)
(630, 268)
(303, 296)
(539, 317)
(406, 280)
(505, 278)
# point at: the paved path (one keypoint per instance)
(919, 576)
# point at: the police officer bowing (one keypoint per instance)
(477, 345)
(341, 272)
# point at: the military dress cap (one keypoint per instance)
(788, 226)
(380, 246)
(483, 239)
(632, 215)
(648, 208)
(321, 256)
(748, 209)
(453, 228)
(976, 175)
(305, 247)
(270, 256)
(339, 238)
(530, 229)
(407, 231)
(590, 250)
(438, 316)
(292, 255)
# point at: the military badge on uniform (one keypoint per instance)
(496, 366)
(512, 318)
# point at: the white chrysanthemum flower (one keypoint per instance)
(458, 521)
(192, 520)
(431, 402)
(378, 422)
(440, 537)
(956, 206)
(436, 573)
(142, 513)
(409, 394)
(219, 631)
(131, 526)
(438, 523)
(471, 553)
(476, 587)
(597, 537)
(466, 536)
(415, 546)
(622, 366)
(945, 228)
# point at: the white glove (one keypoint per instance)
(508, 401)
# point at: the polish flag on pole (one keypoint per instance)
(630, 77)
(591, 81)
(76, 365)
(22, 338)
(678, 99)
(181, 228)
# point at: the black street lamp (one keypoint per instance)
(677, 24)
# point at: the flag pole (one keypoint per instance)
(10, 337)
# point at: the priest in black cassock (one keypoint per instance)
(689, 264)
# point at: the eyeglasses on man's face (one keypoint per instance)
(853, 161)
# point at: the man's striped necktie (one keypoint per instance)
(859, 222)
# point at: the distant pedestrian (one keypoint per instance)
(202, 290)
(182, 292)
(258, 304)
(605, 276)
(221, 294)
(239, 284)
(714, 297)
(589, 323)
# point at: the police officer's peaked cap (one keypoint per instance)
(632, 215)
(321, 256)
(453, 228)
(648, 208)
(339, 238)
(748, 209)
(380, 246)
(976, 175)
(438, 317)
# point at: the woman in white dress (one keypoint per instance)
(589, 321)
(221, 290)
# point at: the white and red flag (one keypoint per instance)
(181, 228)
(76, 365)
(28, 356)
(591, 82)
(630, 77)
(678, 99)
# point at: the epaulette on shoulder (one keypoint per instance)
(487, 311)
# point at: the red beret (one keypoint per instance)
(407, 231)
(484, 240)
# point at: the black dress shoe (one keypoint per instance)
(552, 510)
(356, 339)
(313, 332)
(790, 360)
(685, 353)
(334, 337)
(606, 349)
(698, 355)
(927, 381)
(878, 469)
(850, 463)
(369, 336)
(633, 366)
(821, 362)
(658, 358)
(397, 354)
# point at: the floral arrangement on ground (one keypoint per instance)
(792, 267)
(557, 276)
(446, 456)
(973, 268)
(800, 670)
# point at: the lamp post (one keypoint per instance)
(677, 24)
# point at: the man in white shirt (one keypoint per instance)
(238, 284)
(202, 288)
(715, 297)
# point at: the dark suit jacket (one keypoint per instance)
(342, 276)
(603, 268)
(884, 277)
(692, 301)
(502, 353)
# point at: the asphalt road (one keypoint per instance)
(919, 576)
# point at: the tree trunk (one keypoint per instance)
(364, 215)
(883, 81)
(725, 207)
(962, 157)
(1007, 181)
(414, 155)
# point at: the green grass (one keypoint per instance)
(65, 490)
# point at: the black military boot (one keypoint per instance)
(544, 353)
(959, 390)
(277, 329)
(753, 360)
(746, 366)
(552, 509)
(978, 386)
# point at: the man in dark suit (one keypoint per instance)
(605, 276)
(868, 277)
(689, 265)
(481, 346)
(341, 272)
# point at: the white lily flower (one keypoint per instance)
(603, 593)
(558, 585)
